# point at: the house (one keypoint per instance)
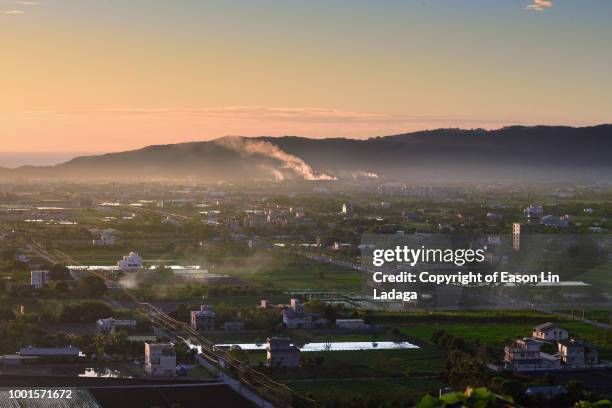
(550, 332)
(534, 211)
(350, 323)
(577, 354)
(557, 222)
(130, 263)
(294, 316)
(111, 325)
(105, 239)
(281, 353)
(50, 353)
(525, 355)
(38, 279)
(203, 319)
(160, 359)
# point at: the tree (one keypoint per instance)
(472, 397)
(59, 272)
(61, 287)
(7, 314)
(88, 311)
(574, 389)
(95, 286)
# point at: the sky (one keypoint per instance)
(113, 75)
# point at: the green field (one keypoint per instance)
(303, 274)
(496, 335)
(405, 389)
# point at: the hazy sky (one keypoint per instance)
(108, 75)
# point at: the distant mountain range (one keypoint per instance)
(516, 153)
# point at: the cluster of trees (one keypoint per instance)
(254, 318)
(62, 286)
(85, 312)
(483, 397)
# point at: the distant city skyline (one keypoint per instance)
(93, 76)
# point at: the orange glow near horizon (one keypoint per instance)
(111, 76)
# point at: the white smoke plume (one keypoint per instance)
(250, 148)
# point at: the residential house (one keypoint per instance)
(130, 263)
(281, 353)
(50, 353)
(577, 354)
(550, 332)
(38, 279)
(110, 325)
(203, 319)
(294, 316)
(526, 355)
(160, 359)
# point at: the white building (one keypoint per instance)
(130, 263)
(160, 359)
(203, 319)
(534, 211)
(110, 325)
(38, 279)
(281, 353)
(525, 355)
(550, 332)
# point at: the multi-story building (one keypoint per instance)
(294, 316)
(577, 354)
(534, 211)
(281, 353)
(203, 319)
(526, 355)
(550, 332)
(160, 359)
(38, 279)
(130, 263)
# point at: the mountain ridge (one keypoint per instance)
(510, 153)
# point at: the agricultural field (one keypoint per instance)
(405, 389)
(497, 335)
